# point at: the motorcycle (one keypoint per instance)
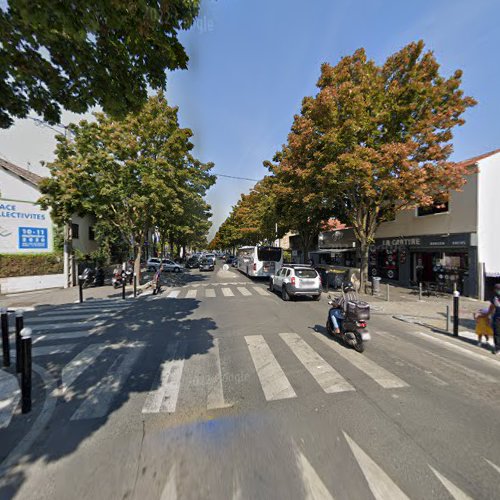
(353, 328)
(121, 276)
(91, 277)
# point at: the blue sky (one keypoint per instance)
(252, 62)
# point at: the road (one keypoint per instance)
(218, 389)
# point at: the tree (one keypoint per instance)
(128, 173)
(381, 137)
(86, 53)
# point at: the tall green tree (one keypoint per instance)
(127, 173)
(381, 137)
(81, 54)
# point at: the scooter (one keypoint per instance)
(353, 331)
(117, 280)
(92, 277)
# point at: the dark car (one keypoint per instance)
(192, 262)
(206, 265)
(230, 259)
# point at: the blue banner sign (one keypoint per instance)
(33, 238)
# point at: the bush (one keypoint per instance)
(30, 265)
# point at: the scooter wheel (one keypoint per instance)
(359, 346)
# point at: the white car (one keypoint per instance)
(295, 280)
(168, 265)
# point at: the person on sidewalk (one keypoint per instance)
(483, 326)
(494, 312)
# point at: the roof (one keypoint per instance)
(472, 161)
(28, 176)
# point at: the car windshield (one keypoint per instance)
(306, 273)
(270, 254)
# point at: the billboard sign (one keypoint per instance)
(24, 228)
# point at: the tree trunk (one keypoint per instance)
(305, 238)
(137, 262)
(364, 254)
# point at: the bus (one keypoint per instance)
(259, 261)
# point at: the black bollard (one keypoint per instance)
(5, 337)
(80, 289)
(135, 285)
(26, 371)
(19, 327)
(123, 287)
(456, 295)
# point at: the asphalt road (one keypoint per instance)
(218, 389)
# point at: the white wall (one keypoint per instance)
(28, 283)
(489, 208)
(14, 188)
(83, 244)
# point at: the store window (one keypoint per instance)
(384, 262)
(75, 230)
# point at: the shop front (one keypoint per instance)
(441, 261)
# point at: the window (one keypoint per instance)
(91, 234)
(75, 230)
(438, 207)
(306, 273)
(272, 254)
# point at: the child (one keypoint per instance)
(483, 326)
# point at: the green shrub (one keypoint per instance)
(30, 265)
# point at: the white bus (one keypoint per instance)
(259, 261)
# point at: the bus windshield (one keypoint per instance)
(271, 254)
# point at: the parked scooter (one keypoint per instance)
(353, 328)
(91, 277)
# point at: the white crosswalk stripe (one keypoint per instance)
(60, 336)
(495, 466)
(227, 292)
(260, 291)
(453, 490)
(48, 350)
(329, 379)
(191, 294)
(10, 394)
(273, 380)
(79, 364)
(173, 294)
(244, 291)
(209, 292)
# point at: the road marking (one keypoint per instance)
(62, 317)
(60, 336)
(314, 487)
(273, 380)
(167, 381)
(10, 394)
(61, 326)
(209, 292)
(79, 364)
(259, 290)
(493, 465)
(191, 294)
(227, 292)
(244, 291)
(89, 310)
(48, 350)
(380, 375)
(99, 398)
(173, 294)
(453, 490)
(170, 490)
(381, 485)
(329, 379)
(215, 392)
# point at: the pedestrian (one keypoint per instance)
(483, 326)
(494, 312)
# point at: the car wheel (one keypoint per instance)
(271, 286)
(284, 294)
(177, 270)
(317, 297)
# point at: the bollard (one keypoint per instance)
(26, 371)
(387, 292)
(123, 287)
(5, 337)
(80, 288)
(456, 295)
(447, 318)
(419, 291)
(19, 327)
(135, 285)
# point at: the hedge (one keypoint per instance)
(30, 265)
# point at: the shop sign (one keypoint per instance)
(450, 240)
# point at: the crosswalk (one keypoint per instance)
(225, 290)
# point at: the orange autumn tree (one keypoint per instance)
(381, 137)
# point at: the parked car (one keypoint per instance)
(210, 256)
(206, 264)
(168, 265)
(230, 259)
(294, 280)
(192, 262)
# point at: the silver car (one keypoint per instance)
(294, 280)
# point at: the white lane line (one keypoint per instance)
(100, 397)
(380, 375)
(167, 381)
(259, 290)
(244, 291)
(215, 392)
(227, 292)
(10, 394)
(62, 326)
(329, 379)
(48, 350)
(191, 294)
(381, 485)
(88, 310)
(79, 364)
(209, 292)
(173, 294)
(170, 489)
(314, 487)
(61, 317)
(60, 336)
(453, 490)
(495, 466)
(273, 380)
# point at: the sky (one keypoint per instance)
(252, 62)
